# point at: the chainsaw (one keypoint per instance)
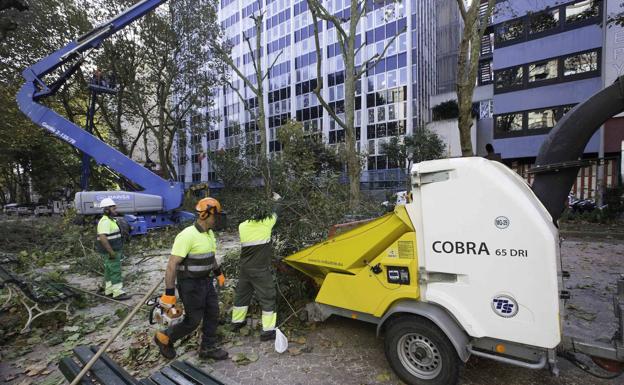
(164, 316)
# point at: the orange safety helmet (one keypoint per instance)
(207, 206)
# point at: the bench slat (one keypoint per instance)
(121, 372)
(159, 379)
(70, 370)
(175, 376)
(147, 381)
(195, 373)
(99, 370)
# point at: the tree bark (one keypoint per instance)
(468, 65)
(354, 169)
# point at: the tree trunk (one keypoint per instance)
(467, 67)
(353, 160)
(465, 87)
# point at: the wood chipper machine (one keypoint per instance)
(446, 278)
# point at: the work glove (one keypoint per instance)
(221, 280)
(112, 256)
(167, 300)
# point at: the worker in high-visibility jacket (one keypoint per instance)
(110, 246)
(193, 264)
(255, 274)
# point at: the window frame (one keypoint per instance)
(525, 131)
(561, 78)
(562, 26)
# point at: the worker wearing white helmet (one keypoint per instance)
(110, 246)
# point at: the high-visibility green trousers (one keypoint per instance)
(113, 284)
(260, 282)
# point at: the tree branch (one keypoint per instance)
(322, 13)
(251, 53)
(233, 66)
(319, 74)
(372, 62)
(272, 64)
(462, 9)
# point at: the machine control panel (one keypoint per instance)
(398, 274)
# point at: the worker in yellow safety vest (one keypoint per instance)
(193, 263)
(255, 274)
(110, 246)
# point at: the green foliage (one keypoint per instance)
(446, 110)
(422, 145)
(614, 199)
(306, 173)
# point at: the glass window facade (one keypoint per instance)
(400, 31)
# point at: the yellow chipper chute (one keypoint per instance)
(366, 269)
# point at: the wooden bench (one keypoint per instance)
(105, 371)
(39, 298)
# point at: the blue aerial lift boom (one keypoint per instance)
(159, 199)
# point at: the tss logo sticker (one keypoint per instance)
(505, 306)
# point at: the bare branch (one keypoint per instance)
(228, 60)
(319, 75)
(272, 64)
(361, 13)
(240, 96)
(323, 14)
(251, 53)
(462, 9)
(372, 62)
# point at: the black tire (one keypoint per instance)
(418, 337)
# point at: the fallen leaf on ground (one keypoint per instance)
(35, 369)
(239, 357)
(294, 351)
(300, 340)
(383, 377)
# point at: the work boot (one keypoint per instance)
(267, 336)
(166, 349)
(213, 353)
(236, 327)
(122, 297)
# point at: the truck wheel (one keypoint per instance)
(420, 354)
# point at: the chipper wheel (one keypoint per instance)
(419, 353)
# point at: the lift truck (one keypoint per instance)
(157, 201)
(444, 281)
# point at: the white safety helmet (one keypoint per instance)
(107, 202)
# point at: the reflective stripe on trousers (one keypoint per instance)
(239, 313)
(114, 289)
(269, 319)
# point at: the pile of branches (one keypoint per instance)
(307, 175)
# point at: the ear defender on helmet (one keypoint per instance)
(207, 207)
(206, 213)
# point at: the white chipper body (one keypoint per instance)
(470, 266)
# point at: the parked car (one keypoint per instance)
(10, 209)
(43, 210)
(24, 210)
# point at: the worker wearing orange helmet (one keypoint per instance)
(193, 264)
